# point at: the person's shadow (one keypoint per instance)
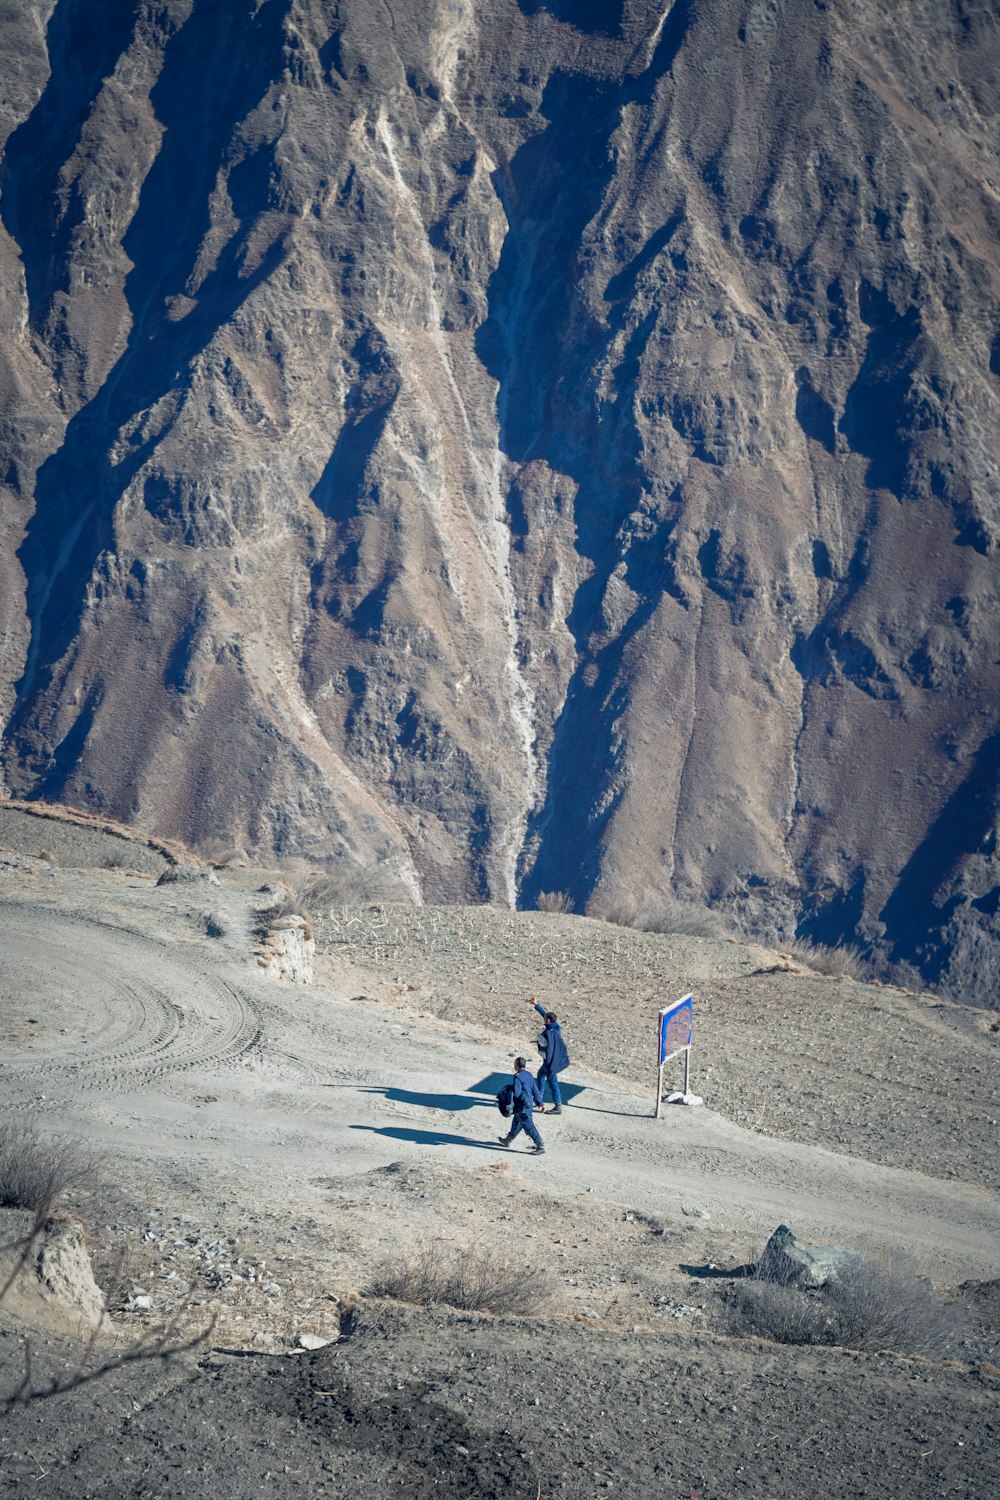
(478, 1094)
(452, 1102)
(428, 1137)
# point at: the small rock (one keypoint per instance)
(312, 1341)
(142, 1304)
(590, 1312)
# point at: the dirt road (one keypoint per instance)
(164, 1058)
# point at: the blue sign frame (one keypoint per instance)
(673, 1031)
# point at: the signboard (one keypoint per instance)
(675, 1028)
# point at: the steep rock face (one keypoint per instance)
(529, 446)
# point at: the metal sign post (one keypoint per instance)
(674, 1030)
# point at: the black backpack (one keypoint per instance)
(505, 1100)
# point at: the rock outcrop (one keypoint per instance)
(287, 950)
(790, 1263)
(523, 446)
(53, 1283)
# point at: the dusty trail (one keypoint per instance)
(168, 1058)
(126, 1011)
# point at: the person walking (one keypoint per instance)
(527, 1097)
(554, 1055)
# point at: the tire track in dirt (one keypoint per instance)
(132, 1030)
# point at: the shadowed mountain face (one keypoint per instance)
(528, 446)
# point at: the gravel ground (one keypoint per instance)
(423, 1404)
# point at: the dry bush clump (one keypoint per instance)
(320, 891)
(869, 1306)
(677, 918)
(883, 1307)
(479, 1280)
(686, 921)
(621, 913)
(843, 961)
(554, 901)
(267, 918)
(768, 1310)
(36, 1171)
(329, 888)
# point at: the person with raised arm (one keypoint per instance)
(554, 1055)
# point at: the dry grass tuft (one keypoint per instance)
(321, 891)
(843, 961)
(36, 1171)
(677, 918)
(473, 1280)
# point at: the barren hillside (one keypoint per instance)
(517, 446)
(270, 1158)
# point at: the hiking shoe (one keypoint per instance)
(504, 1140)
(538, 1150)
(557, 1110)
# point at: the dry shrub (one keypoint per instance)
(554, 901)
(768, 1310)
(347, 885)
(48, 856)
(869, 1306)
(34, 1171)
(884, 1307)
(285, 906)
(478, 1280)
(843, 961)
(676, 918)
(620, 913)
(685, 921)
(330, 888)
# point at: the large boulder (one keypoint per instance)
(790, 1263)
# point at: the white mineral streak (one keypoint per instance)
(484, 509)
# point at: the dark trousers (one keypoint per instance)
(545, 1074)
(523, 1121)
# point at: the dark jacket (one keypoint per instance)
(554, 1057)
(526, 1093)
